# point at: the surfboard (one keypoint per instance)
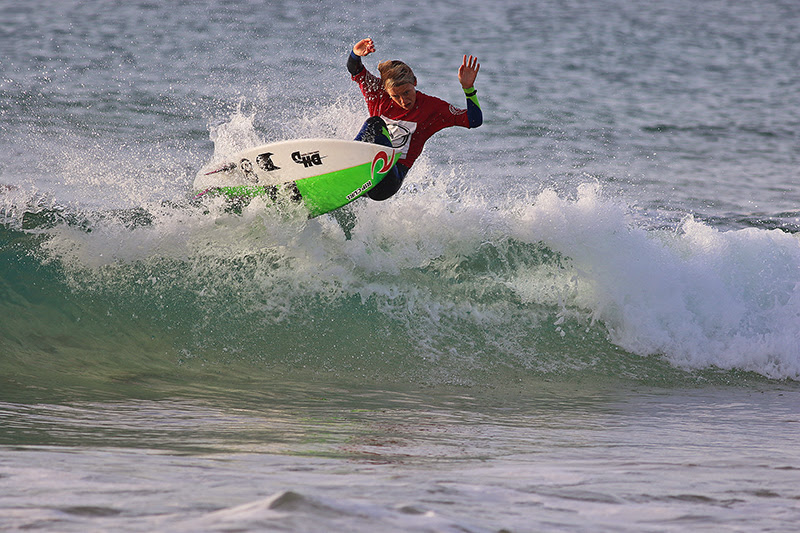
(322, 174)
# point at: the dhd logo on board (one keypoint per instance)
(308, 159)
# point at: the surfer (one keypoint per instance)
(403, 117)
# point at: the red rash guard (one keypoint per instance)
(409, 129)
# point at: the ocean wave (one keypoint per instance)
(552, 283)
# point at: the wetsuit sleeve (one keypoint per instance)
(371, 86)
(354, 64)
(474, 113)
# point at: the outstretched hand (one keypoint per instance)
(364, 47)
(468, 71)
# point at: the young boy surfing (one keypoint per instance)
(403, 117)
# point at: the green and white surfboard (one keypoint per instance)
(323, 174)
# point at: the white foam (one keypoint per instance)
(699, 296)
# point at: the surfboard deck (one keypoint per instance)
(322, 174)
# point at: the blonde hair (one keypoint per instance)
(395, 73)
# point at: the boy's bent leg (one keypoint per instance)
(390, 184)
(374, 131)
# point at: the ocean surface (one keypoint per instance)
(582, 316)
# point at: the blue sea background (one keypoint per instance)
(582, 316)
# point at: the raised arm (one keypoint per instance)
(467, 73)
(362, 48)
